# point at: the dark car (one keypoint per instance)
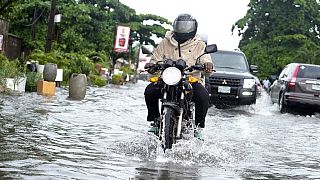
(298, 86)
(233, 82)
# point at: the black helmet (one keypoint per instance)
(184, 27)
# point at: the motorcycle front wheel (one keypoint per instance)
(168, 128)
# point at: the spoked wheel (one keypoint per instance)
(282, 106)
(168, 128)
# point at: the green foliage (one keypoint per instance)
(6, 6)
(97, 80)
(99, 58)
(32, 80)
(127, 71)
(10, 69)
(80, 63)
(142, 31)
(85, 34)
(3, 64)
(117, 79)
(69, 62)
(86, 25)
(275, 33)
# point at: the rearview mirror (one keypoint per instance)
(211, 48)
(146, 49)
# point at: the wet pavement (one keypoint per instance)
(105, 136)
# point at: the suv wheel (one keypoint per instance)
(282, 106)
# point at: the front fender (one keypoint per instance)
(173, 106)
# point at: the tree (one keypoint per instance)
(6, 5)
(25, 17)
(87, 26)
(274, 31)
(85, 34)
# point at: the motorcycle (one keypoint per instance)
(177, 117)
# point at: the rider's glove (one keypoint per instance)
(208, 67)
(150, 68)
(148, 65)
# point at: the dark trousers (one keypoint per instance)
(200, 97)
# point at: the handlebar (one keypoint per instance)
(157, 67)
(199, 67)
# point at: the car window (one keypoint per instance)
(290, 71)
(284, 72)
(312, 72)
(232, 61)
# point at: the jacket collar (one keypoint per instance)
(188, 43)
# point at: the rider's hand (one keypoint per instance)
(148, 65)
(150, 68)
(208, 67)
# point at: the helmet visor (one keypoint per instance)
(184, 26)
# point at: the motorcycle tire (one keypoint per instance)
(168, 128)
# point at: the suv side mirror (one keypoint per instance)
(254, 68)
(211, 48)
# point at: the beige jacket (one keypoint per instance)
(190, 51)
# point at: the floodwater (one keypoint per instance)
(105, 136)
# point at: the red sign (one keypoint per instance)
(121, 42)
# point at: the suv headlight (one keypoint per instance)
(248, 83)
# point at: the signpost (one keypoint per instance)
(121, 42)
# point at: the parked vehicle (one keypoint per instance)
(177, 110)
(298, 86)
(233, 82)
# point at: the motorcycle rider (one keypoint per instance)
(183, 42)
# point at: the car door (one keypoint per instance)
(278, 84)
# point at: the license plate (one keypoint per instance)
(223, 89)
(316, 87)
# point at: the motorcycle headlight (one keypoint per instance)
(248, 83)
(171, 76)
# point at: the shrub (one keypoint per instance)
(32, 80)
(117, 79)
(97, 80)
(10, 69)
(69, 62)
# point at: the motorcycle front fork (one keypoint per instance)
(178, 133)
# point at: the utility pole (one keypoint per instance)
(51, 26)
(33, 27)
(135, 80)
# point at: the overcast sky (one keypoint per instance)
(215, 17)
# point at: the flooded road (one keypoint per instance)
(105, 136)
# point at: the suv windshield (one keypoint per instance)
(229, 61)
(312, 72)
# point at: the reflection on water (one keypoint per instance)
(104, 137)
(169, 171)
